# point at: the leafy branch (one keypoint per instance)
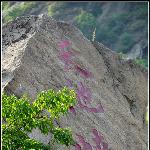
(21, 117)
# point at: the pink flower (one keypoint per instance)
(98, 138)
(66, 57)
(81, 138)
(84, 97)
(86, 146)
(83, 93)
(77, 147)
(64, 44)
(105, 146)
(99, 109)
(94, 110)
(69, 82)
(83, 72)
(99, 141)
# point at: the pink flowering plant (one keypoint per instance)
(84, 95)
(64, 44)
(98, 139)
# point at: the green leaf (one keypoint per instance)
(21, 117)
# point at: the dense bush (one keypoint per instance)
(5, 5)
(85, 19)
(127, 39)
(20, 117)
(126, 42)
(143, 62)
(86, 22)
(17, 10)
(56, 9)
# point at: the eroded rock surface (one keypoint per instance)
(41, 53)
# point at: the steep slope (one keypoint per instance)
(41, 53)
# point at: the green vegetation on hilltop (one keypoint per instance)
(5, 5)
(15, 11)
(125, 39)
(56, 8)
(143, 62)
(86, 22)
(20, 118)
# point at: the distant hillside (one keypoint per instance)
(121, 26)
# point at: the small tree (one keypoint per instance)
(20, 117)
(86, 22)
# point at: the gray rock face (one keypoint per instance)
(40, 53)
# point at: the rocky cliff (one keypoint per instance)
(41, 53)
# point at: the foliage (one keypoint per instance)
(136, 25)
(17, 10)
(126, 42)
(122, 30)
(111, 28)
(139, 10)
(21, 117)
(85, 19)
(122, 55)
(86, 22)
(56, 8)
(143, 62)
(94, 8)
(52, 9)
(63, 136)
(127, 38)
(5, 5)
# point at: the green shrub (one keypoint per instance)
(17, 10)
(127, 39)
(52, 9)
(85, 19)
(139, 10)
(122, 55)
(56, 8)
(93, 8)
(111, 28)
(126, 42)
(20, 117)
(86, 23)
(137, 25)
(5, 5)
(143, 62)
